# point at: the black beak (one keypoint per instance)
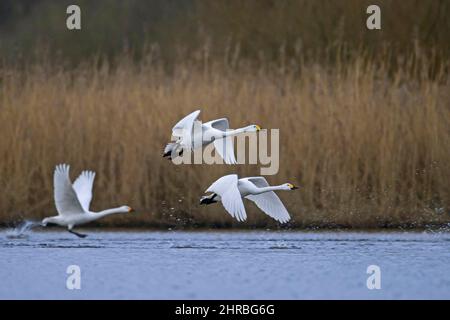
(294, 187)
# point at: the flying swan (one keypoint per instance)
(230, 190)
(192, 134)
(72, 201)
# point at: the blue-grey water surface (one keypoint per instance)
(226, 265)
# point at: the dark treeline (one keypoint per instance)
(254, 29)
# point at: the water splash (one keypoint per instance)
(20, 231)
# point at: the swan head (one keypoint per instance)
(126, 209)
(290, 186)
(253, 128)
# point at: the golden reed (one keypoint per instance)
(368, 144)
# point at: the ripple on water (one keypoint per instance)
(252, 265)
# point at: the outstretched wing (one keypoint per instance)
(227, 188)
(183, 129)
(83, 188)
(219, 124)
(66, 200)
(268, 202)
(224, 146)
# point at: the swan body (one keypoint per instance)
(230, 190)
(192, 134)
(72, 201)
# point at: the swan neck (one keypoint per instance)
(234, 132)
(270, 188)
(108, 212)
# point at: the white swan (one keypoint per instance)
(72, 201)
(230, 190)
(192, 134)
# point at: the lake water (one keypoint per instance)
(226, 265)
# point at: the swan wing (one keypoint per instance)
(183, 129)
(219, 124)
(259, 182)
(66, 199)
(83, 188)
(224, 147)
(227, 188)
(268, 202)
(187, 120)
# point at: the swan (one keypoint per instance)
(72, 201)
(230, 190)
(216, 131)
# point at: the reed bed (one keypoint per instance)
(367, 144)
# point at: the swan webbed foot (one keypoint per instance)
(79, 235)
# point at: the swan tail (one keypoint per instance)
(172, 150)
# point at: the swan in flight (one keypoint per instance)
(192, 134)
(72, 200)
(230, 190)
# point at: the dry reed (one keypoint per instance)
(369, 147)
